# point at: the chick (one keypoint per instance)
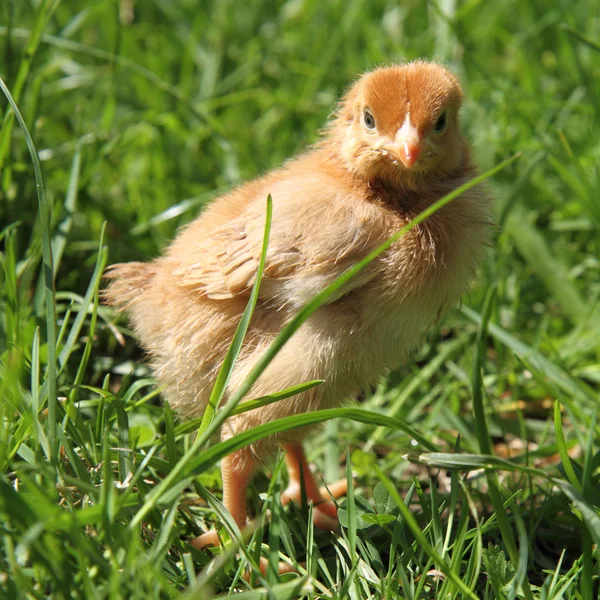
(393, 148)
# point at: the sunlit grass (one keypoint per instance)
(474, 468)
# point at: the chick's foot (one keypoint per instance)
(324, 510)
(236, 472)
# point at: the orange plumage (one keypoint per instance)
(392, 149)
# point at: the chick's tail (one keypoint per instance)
(127, 283)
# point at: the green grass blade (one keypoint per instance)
(216, 452)
(226, 370)
(580, 37)
(540, 363)
(484, 440)
(21, 78)
(481, 429)
(170, 434)
(422, 540)
(247, 405)
(50, 303)
(59, 242)
(276, 397)
(351, 509)
(551, 270)
(563, 449)
(274, 525)
(588, 512)
(91, 292)
(35, 374)
(469, 462)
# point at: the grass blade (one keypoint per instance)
(351, 509)
(50, 302)
(484, 440)
(422, 540)
(580, 37)
(91, 292)
(194, 462)
(271, 398)
(563, 450)
(21, 78)
(235, 347)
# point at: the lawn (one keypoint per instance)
(475, 468)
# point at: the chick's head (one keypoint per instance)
(400, 125)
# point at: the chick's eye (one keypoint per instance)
(369, 119)
(441, 123)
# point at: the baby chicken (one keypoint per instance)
(393, 148)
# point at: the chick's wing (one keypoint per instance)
(316, 234)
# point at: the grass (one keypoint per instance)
(476, 469)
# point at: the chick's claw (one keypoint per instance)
(282, 568)
(210, 538)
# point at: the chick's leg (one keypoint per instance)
(236, 471)
(324, 510)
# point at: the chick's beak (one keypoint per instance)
(409, 153)
(407, 144)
